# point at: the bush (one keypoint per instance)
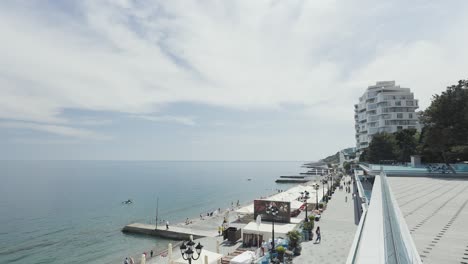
(309, 225)
(280, 250)
(293, 237)
(321, 205)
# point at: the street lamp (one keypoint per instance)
(273, 211)
(305, 195)
(316, 187)
(186, 249)
(323, 188)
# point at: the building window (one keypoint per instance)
(399, 128)
(410, 115)
(398, 103)
(409, 103)
(399, 115)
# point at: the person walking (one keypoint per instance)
(132, 261)
(167, 225)
(319, 236)
(151, 253)
(126, 261)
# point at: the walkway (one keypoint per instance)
(436, 213)
(338, 229)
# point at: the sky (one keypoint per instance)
(214, 79)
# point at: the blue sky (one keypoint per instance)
(211, 80)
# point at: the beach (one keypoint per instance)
(209, 224)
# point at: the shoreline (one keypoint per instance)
(209, 223)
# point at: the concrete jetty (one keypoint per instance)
(282, 180)
(293, 177)
(174, 232)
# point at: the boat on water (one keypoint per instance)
(129, 201)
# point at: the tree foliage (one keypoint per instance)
(406, 144)
(445, 121)
(382, 148)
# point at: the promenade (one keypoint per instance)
(337, 227)
(436, 213)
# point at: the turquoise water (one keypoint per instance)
(71, 211)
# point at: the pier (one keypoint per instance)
(283, 180)
(174, 232)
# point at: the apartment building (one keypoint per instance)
(384, 107)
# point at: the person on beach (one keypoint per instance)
(126, 261)
(151, 253)
(167, 225)
(132, 261)
(219, 230)
(346, 199)
(319, 236)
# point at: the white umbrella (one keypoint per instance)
(169, 252)
(258, 222)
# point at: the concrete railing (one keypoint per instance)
(382, 235)
(399, 246)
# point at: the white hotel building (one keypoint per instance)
(384, 107)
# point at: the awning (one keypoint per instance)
(246, 257)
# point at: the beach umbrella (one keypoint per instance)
(143, 259)
(258, 221)
(169, 252)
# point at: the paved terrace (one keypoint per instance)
(436, 213)
(337, 227)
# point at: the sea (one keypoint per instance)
(71, 211)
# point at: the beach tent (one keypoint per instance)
(249, 209)
(296, 205)
(246, 257)
(213, 257)
(265, 229)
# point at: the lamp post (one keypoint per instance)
(186, 249)
(316, 187)
(323, 189)
(273, 211)
(306, 196)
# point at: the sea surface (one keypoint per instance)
(72, 211)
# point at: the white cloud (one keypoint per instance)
(133, 57)
(183, 120)
(64, 131)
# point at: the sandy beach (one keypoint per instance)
(210, 224)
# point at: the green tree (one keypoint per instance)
(364, 155)
(445, 121)
(346, 166)
(382, 147)
(407, 144)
